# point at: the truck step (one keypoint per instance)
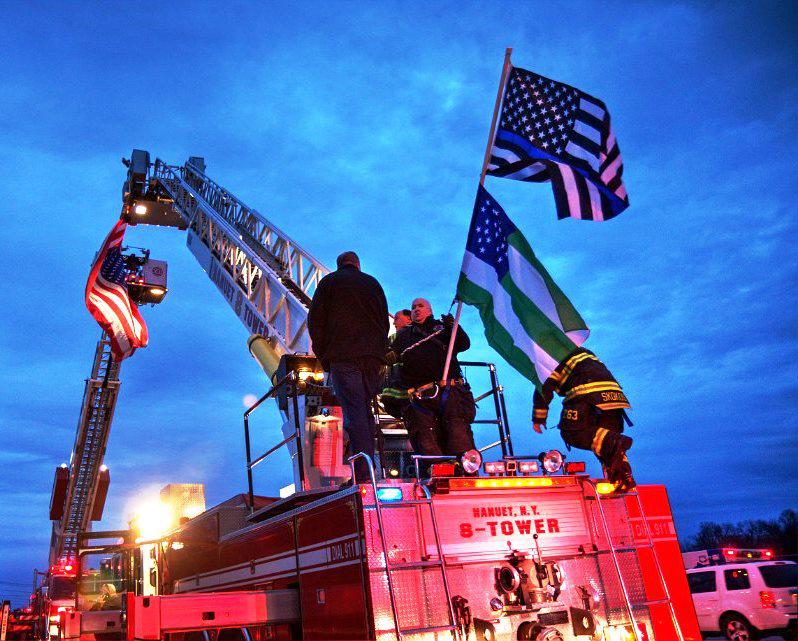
(437, 628)
(414, 564)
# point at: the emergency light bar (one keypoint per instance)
(494, 468)
(528, 467)
(746, 554)
(575, 467)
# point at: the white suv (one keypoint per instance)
(746, 600)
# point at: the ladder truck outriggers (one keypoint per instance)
(529, 548)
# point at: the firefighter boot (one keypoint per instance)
(620, 473)
(612, 453)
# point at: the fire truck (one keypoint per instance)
(53, 593)
(521, 547)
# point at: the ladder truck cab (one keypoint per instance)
(53, 594)
(523, 548)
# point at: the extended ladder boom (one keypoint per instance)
(81, 501)
(265, 276)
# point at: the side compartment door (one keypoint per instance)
(331, 574)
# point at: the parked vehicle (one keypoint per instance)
(746, 600)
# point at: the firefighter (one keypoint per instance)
(348, 326)
(439, 413)
(109, 599)
(593, 412)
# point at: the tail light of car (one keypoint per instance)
(767, 599)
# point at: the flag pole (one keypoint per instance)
(505, 70)
(502, 82)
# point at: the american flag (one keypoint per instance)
(108, 301)
(551, 131)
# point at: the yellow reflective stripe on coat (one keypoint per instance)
(613, 406)
(589, 388)
(577, 358)
(570, 364)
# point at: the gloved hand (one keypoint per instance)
(538, 427)
(448, 321)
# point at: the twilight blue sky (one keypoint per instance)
(362, 126)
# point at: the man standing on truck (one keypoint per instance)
(593, 412)
(348, 327)
(439, 413)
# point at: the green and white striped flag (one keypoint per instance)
(527, 318)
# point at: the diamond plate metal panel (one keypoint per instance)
(404, 532)
(614, 602)
(618, 522)
(420, 598)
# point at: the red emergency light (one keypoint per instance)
(64, 567)
(575, 467)
(528, 467)
(441, 469)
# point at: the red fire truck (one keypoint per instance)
(530, 548)
(53, 594)
(503, 557)
(523, 548)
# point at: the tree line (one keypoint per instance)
(779, 534)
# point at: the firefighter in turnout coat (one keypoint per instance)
(593, 412)
(438, 414)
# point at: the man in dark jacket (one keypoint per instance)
(394, 396)
(592, 412)
(348, 326)
(439, 414)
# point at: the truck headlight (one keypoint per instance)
(552, 461)
(471, 461)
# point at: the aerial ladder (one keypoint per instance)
(264, 276)
(80, 488)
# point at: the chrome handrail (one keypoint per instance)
(615, 561)
(351, 460)
(297, 435)
(497, 391)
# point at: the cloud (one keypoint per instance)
(365, 127)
